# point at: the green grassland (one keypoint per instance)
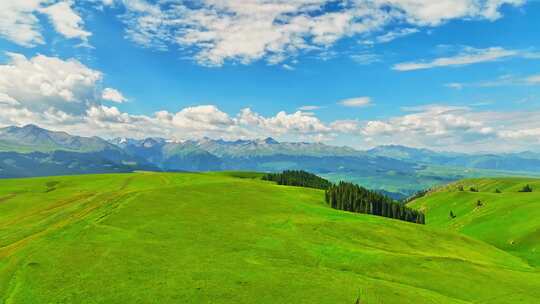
(233, 238)
(409, 182)
(509, 220)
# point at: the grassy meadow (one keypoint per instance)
(498, 214)
(233, 238)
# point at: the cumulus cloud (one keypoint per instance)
(356, 102)
(454, 128)
(466, 57)
(42, 82)
(113, 95)
(66, 100)
(298, 122)
(431, 121)
(19, 20)
(66, 95)
(247, 30)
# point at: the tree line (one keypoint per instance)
(348, 196)
(353, 198)
(298, 178)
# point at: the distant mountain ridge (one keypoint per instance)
(34, 151)
(521, 161)
(35, 139)
(395, 170)
(260, 154)
(242, 148)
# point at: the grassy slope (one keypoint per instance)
(509, 220)
(408, 183)
(227, 238)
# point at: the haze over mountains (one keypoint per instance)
(34, 151)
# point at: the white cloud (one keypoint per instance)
(534, 79)
(288, 67)
(206, 117)
(100, 113)
(504, 80)
(216, 31)
(309, 108)
(435, 126)
(392, 35)
(282, 123)
(466, 57)
(7, 100)
(366, 58)
(428, 12)
(453, 128)
(43, 82)
(113, 95)
(357, 102)
(345, 126)
(19, 20)
(454, 85)
(430, 121)
(66, 21)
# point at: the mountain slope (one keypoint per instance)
(507, 220)
(231, 238)
(33, 151)
(524, 161)
(31, 138)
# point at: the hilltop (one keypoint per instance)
(495, 211)
(231, 238)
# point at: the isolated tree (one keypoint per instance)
(473, 189)
(479, 203)
(497, 190)
(460, 188)
(527, 188)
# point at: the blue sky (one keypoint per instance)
(458, 75)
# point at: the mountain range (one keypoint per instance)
(34, 151)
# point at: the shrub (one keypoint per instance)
(527, 188)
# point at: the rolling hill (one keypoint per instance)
(230, 237)
(498, 214)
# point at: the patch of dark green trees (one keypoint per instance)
(353, 198)
(298, 178)
(349, 197)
